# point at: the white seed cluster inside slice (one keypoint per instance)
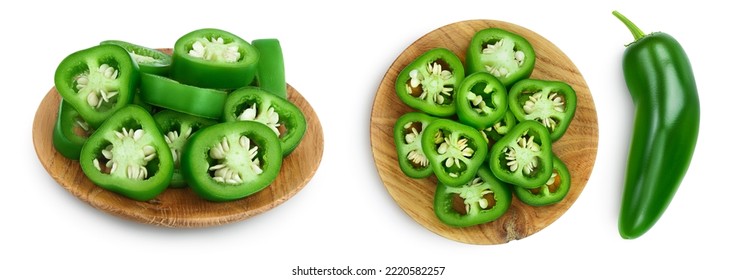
(412, 138)
(545, 107)
(476, 195)
(454, 151)
(237, 160)
(432, 83)
(501, 58)
(523, 154)
(98, 86)
(269, 117)
(215, 49)
(176, 141)
(127, 155)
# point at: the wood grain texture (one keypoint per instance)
(577, 148)
(180, 208)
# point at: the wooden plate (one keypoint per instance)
(577, 148)
(180, 207)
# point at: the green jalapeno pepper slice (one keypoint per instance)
(481, 200)
(128, 155)
(232, 160)
(97, 81)
(504, 54)
(455, 151)
(408, 131)
(430, 82)
(177, 128)
(481, 100)
(551, 103)
(70, 131)
(270, 70)
(500, 128)
(553, 191)
(148, 60)
(170, 94)
(213, 58)
(254, 104)
(523, 157)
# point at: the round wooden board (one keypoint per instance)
(577, 148)
(180, 208)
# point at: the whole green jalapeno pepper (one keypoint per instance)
(429, 83)
(481, 200)
(666, 126)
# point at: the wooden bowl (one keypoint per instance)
(577, 148)
(180, 208)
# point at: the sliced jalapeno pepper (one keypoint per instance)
(551, 103)
(481, 100)
(97, 81)
(177, 128)
(553, 191)
(455, 151)
(128, 155)
(169, 94)
(523, 157)
(408, 131)
(148, 60)
(504, 54)
(231, 160)
(270, 70)
(213, 58)
(254, 104)
(429, 83)
(70, 131)
(481, 200)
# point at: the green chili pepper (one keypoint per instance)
(231, 160)
(504, 54)
(177, 129)
(481, 100)
(481, 200)
(70, 131)
(97, 81)
(501, 127)
(254, 104)
(666, 126)
(270, 71)
(213, 58)
(429, 82)
(170, 94)
(148, 60)
(553, 191)
(128, 155)
(552, 103)
(455, 151)
(523, 157)
(408, 131)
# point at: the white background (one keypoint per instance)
(336, 56)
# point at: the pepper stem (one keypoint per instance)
(636, 32)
